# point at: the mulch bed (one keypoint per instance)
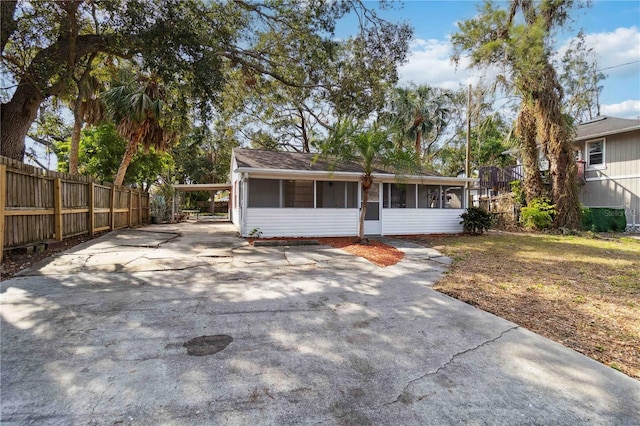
(375, 252)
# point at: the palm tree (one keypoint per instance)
(137, 108)
(87, 108)
(418, 112)
(368, 148)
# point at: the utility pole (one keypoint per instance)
(467, 162)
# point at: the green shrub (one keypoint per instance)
(475, 220)
(538, 214)
(518, 192)
(603, 219)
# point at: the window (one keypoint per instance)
(595, 154)
(453, 197)
(298, 193)
(330, 194)
(373, 203)
(429, 196)
(399, 196)
(264, 193)
(352, 195)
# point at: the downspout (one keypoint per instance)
(381, 207)
(244, 191)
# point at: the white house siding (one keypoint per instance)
(292, 222)
(421, 221)
(235, 217)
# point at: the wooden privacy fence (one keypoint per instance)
(37, 205)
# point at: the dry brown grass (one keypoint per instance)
(581, 292)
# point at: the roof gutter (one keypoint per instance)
(350, 175)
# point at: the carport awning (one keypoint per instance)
(202, 187)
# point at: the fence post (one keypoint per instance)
(112, 206)
(130, 208)
(92, 217)
(3, 194)
(139, 207)
(57, 199)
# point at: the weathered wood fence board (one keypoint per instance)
(38, 205)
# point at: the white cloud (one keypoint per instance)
(614, 48)
(430, 63)
(626, 109)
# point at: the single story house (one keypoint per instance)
(608, 152)
(287, 194)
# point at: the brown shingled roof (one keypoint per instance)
(281, 160)
(604, 125)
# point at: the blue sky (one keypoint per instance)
(612, 29)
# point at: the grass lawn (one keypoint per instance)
(579, 291)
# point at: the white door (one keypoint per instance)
(372, 224)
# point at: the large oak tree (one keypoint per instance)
(190, 44)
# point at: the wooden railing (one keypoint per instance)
(37, 205)
(499, 178)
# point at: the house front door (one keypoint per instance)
(372, 224)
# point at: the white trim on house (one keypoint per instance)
(349, 176)
(602, 166)
(605, 177)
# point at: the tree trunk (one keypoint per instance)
(564, 178)
(7, 22)
(418, 143)
(526, 132)
(132, 147)
(303, 129)
(74, 148)
(22, 109)
(552, 128)
(17, 116)
(367, 181)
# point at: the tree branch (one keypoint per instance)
(8, 24)
(262, 70)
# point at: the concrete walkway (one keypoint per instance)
(96, 335)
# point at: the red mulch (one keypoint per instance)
(375, 252)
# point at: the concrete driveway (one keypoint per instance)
(314, 336)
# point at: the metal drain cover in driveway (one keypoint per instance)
(207, 345)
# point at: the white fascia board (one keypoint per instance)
(305, 174)
(350, 176)
(609, 133)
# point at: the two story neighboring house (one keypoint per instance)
(608, 151)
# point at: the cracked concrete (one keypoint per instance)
(95, 335)
(403, 395)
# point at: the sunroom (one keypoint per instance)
(282, 194)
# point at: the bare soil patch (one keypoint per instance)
(375, 252)
(580, 291)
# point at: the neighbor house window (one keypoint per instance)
(595, 153)
(298, 193)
